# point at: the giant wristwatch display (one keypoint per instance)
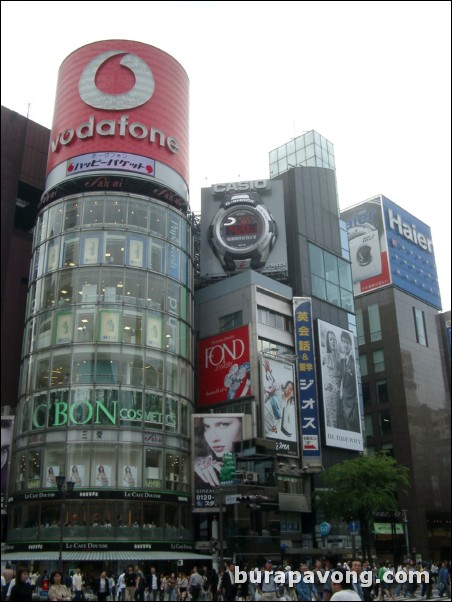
(242, 233)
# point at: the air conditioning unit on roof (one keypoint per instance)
(250, 477)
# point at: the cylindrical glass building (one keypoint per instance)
(106, 388)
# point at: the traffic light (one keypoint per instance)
(213, 546)
(253, 501)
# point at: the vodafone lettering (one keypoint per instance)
(120, 128)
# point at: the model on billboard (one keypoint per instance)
(7, 434)
(75, 475)
(348, 413)
(102, 476)
(279, 405)
(237, 381)
(214, 437)
(128, 478)
(332, 379)
(51, 477)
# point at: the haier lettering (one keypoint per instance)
(409, 232)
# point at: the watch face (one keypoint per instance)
(241, 228)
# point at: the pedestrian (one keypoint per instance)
(58, 592)
(267, 588)
(77, 584)
(195, 585)
(22, 590)
(130, 581)
(102, 587)
(342, 590)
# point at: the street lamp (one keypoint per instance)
(65, 488)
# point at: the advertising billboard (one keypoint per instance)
(243, 227)
(368, 246)
(224, 367)
(388, 245)
(7, 439)
(307, 382)
(280, 409)
(121, 110)
(411, 254)
(213, 438)
(340, 387)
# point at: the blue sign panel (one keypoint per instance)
(411, 254)
(324, 529)
(307, 385)
(353, 527)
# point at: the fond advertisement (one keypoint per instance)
(213, 438)
(340, 387)
(224, 367)
(280, 405)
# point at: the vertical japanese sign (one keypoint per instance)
(307, 386)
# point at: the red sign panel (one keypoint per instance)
(120, 96)
(224, 367)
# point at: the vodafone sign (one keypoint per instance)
(121, 109)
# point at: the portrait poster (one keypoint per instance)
(90, 250)
(77, 474)
(50, 476)
(213, 438)
(110, 326)
(63, 330)
(341, 409)
(129, 476)
(103, 475)
(136, 252)
(280, 409)
(154, 331)
(7, 437)
(53, 255)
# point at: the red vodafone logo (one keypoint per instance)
(138, 95)
(119, 96)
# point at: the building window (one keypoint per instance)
(374, 323)
(388, 449)
(385, 423)
(331, 278)
(379, 360)
(363, 364)
(231, 321)
(419, 323)
(360, 327)
(366, 393)
(382, 391)
(369, 427)
(273, 319)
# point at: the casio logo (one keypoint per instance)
(236, 186)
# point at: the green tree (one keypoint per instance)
(356, 489)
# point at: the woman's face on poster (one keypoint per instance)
(332, 343)
(221, 433)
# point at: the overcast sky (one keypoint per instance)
(372, 77)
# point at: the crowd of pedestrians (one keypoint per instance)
(204, 584)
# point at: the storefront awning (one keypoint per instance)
(102, 556)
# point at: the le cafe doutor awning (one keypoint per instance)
(100, 555)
